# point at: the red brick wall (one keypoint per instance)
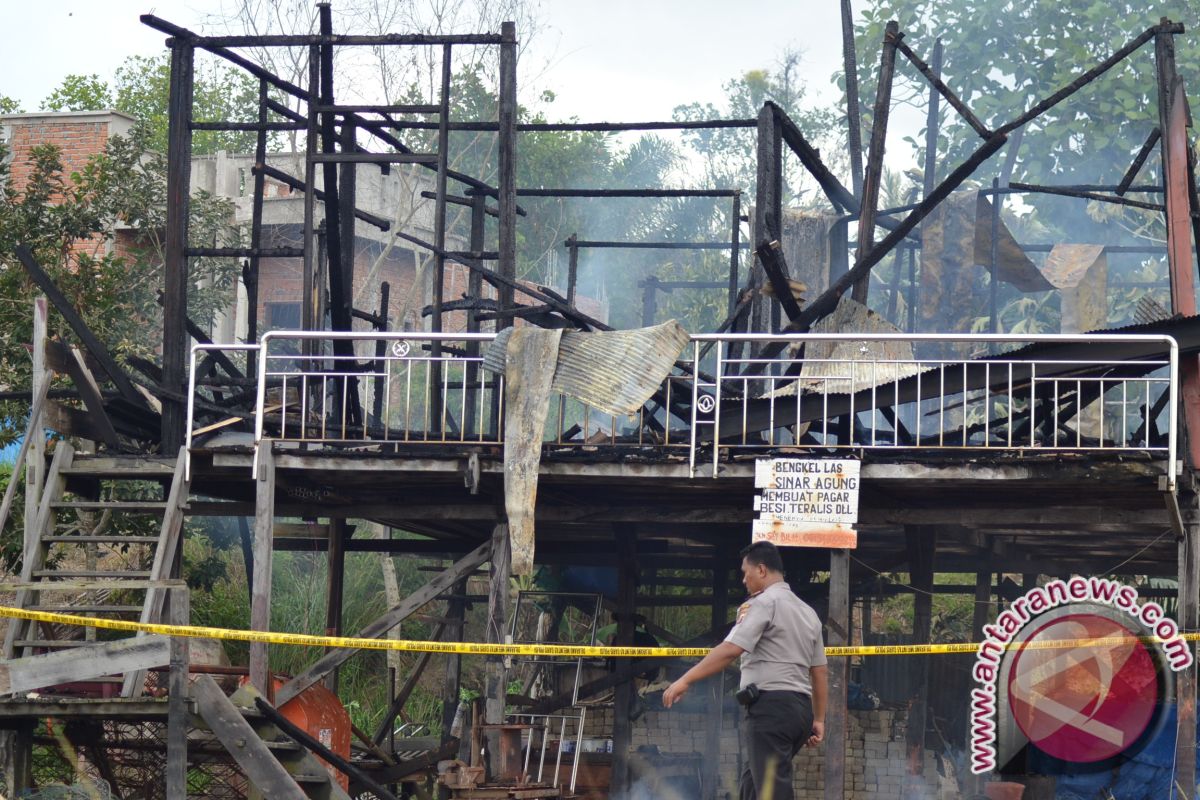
(78, 137)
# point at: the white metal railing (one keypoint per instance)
(872, 401)
(431, 389)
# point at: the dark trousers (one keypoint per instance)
(776, 726)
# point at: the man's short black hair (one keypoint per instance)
(764, 553)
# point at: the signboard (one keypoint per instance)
(806, 502)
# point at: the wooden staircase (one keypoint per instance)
(279, 767)
(107, 533)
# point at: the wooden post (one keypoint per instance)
(260, 603)
(335, 578)
(35, 463)
(256, 210)
(921, 542)
(735, 247)
(177, 706)
(854, 124)
(496, 680)
(506, 179)
(837, 633)
(649, 300)
(768, 205)
(623, 694)
(175, 281)
(874, 175)
(310, 318)
(1184, 778)
(572, 267)
(456, 609)
(716, 720)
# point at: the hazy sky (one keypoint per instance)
(617, 60)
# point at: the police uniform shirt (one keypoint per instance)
(781, 635)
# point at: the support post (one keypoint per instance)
(496, 681)
(506, 179)
(456, 609)
(874, 175)
(921, 542)
(439, 240)
(177, 706)
(622, 734)
(735, 241)
(473, 416)
(572, 267)
(260, 602)
(837, 633)
(310, 318)
(333, 598)
(716, 718)
(175, 270)
(649, 300)
(35, 462)
(853, 119)
(1184, 778)
(768, 205)
(256, 211)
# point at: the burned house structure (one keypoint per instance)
(535, 435)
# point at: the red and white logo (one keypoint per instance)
(1083, 703)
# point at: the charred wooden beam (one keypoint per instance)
(506, 178)
(64, 360)
(175, 269)
(1084, 195)
(1090, 75)
(839, 195)
(934, 77)
(825, 304)
(869, 201)
(770, 255)
(94, 346)
(1138, 160)
(853, 116)
(587, 127)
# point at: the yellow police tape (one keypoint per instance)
(481, 649)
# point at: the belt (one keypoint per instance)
(778, 692)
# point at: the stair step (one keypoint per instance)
(54, 643)
(111, 505)
(311, 778)
(61, 609)
(86, 573)
(108, 468)
(101, 539)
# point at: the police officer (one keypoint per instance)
(784, 681)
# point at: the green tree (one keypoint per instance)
(9, 106)
(141, 88)
(79, 93)
(728, 155)
(1002, 58)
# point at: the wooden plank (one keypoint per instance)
(496, 675)
(770, 255)
(83, 663)
(260, 601)
(34, 550)
(837, 632)
(380, 626)
(177, 706)
(243, 743)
